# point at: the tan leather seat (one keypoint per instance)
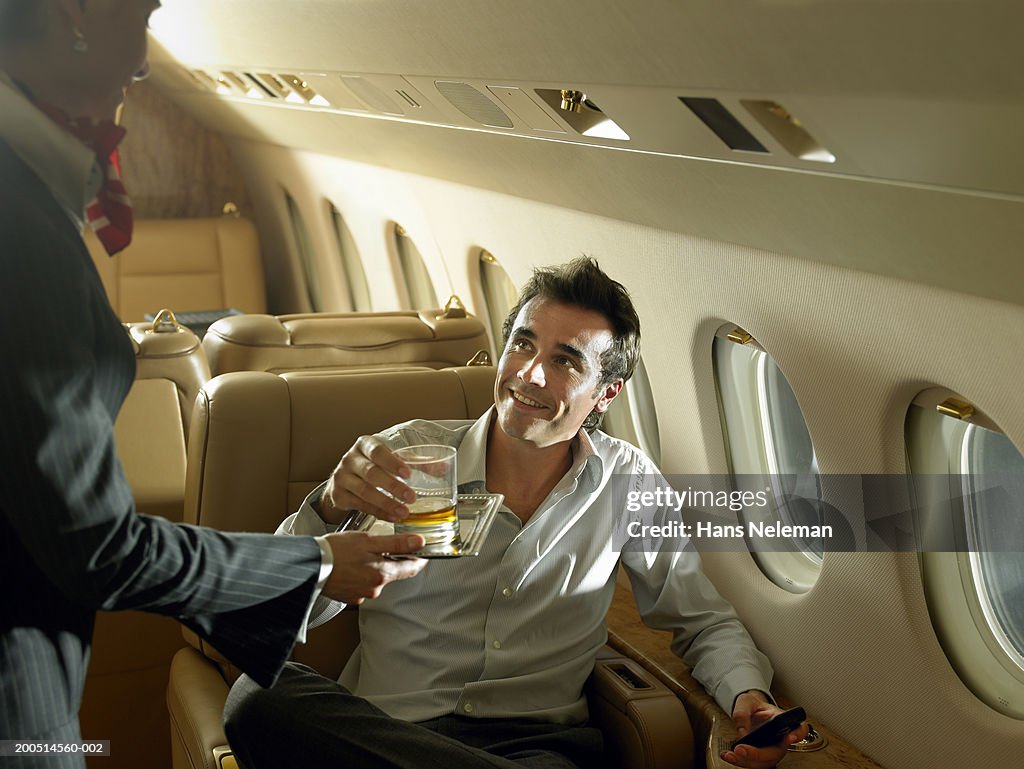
(152, 427)
(123, 700)
(260, 444)
(391, 340)
(183, 264)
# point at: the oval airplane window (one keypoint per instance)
(351, 264)
(418, 284)
(975, 591)
(767, 436)
(632, 416)
(500, 295)
(307, 259)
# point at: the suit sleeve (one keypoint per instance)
(62, 488)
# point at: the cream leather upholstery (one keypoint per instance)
(183, 264)
(152, 428)
(132, 651)
(424, 339)
(260, 443)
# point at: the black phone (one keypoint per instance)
(774, 730)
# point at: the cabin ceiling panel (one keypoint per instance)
(917, 103)
(904, 231)
(922, 48)
(960, 145)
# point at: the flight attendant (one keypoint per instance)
(70, 540)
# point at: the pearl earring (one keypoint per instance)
(80, 45)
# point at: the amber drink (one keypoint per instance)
(433, 478)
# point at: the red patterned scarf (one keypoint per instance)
(110, 212)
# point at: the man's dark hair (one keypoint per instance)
(582, 283)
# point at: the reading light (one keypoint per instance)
(572, 101)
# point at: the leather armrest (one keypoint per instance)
(195, 700)
(644, 724)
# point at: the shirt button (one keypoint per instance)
(468, 707)
(496, 643)
(507, 592)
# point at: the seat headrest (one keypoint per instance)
(341, 340)
(184, 264)
(261, 442)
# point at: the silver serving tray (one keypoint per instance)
(476, 514)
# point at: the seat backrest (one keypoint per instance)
(261, 442)
(425, 339)
(152, 427)
(183, 264)
(132, 651)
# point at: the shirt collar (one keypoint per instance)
(66, 166)
(471, 458)
(472, 455)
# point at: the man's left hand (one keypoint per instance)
(750, 711)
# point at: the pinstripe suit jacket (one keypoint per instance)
(70, 539)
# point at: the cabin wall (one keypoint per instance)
(175, 167)
(858, 650)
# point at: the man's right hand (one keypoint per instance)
(361, 570)
(356, 484)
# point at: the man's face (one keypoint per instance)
(549, 372)
(116, 34)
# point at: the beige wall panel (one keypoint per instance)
(175, 167)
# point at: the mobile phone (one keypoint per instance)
(774, 730)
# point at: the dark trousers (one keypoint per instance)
(309, 720)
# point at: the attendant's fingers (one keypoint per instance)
(395, 544)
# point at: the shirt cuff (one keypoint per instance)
(766, 693)
(737, 681)
(326, 567)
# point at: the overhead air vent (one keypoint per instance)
(529, 112)
(242, 86)
(259, 85)
(787, 130)
(723, 123)
(581, 113)
(203, 79)
(331, 88)
(374, 97)
(302, 92)
(272, 84)
(473, 104)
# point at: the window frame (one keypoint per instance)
(306, 253)
(418, 285)
(357, 287)
(953, 582)
(795, 571)
(497, 287)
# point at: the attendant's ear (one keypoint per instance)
(608, 393)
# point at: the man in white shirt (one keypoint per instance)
(481, 662)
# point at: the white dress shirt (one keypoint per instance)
(513, 632)
(65, 165)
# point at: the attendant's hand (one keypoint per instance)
(361, 571)
(750, 711)
(356, 484)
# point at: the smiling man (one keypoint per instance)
(481, 662)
